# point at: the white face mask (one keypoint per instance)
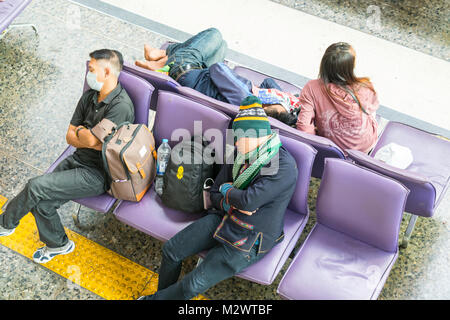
(91, 79)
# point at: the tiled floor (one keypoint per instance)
(420, 25)
(41, 81)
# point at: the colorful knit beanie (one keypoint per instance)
(251, 121)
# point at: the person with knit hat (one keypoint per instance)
(249, 198)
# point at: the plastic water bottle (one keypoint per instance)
(161, 165)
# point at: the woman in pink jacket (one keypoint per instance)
(338, 105)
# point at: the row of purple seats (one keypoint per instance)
(175, 111)
(9, 10)
(428, 177)
(325, 147)
(362, 216)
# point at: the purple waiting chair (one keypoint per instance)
(428, 177)
(9, 10)
(174, 112)
(140, 92)
(354, 244)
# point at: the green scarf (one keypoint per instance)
(263, 154)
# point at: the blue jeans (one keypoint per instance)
(201, 50)
(221, 262)
(269, 83)
(206, 52)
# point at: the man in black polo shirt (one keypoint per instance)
(81, 174)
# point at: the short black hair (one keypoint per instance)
(284, 116)
(112, 56)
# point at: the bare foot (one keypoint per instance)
(151, 65)
(153, 54)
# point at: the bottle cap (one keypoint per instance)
(165, 140)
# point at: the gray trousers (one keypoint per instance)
(44, 194)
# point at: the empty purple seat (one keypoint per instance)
(151, 217)
(140, 92)
(174, 112)
(428, 176)
(354, 244)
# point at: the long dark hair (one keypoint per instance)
(337, 66)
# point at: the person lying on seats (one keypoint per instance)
(250, 198)
(198, 63)
(338, 105)
(79, 175)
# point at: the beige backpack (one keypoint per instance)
(129, 158)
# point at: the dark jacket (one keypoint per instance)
(268, 194)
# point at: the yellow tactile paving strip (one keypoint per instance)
(90, 265)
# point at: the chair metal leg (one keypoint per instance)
(76, 219)
(409, 230)
(76, 216)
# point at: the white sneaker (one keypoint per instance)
(6, 232)
(45, 254)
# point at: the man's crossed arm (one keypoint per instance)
(81, 137)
